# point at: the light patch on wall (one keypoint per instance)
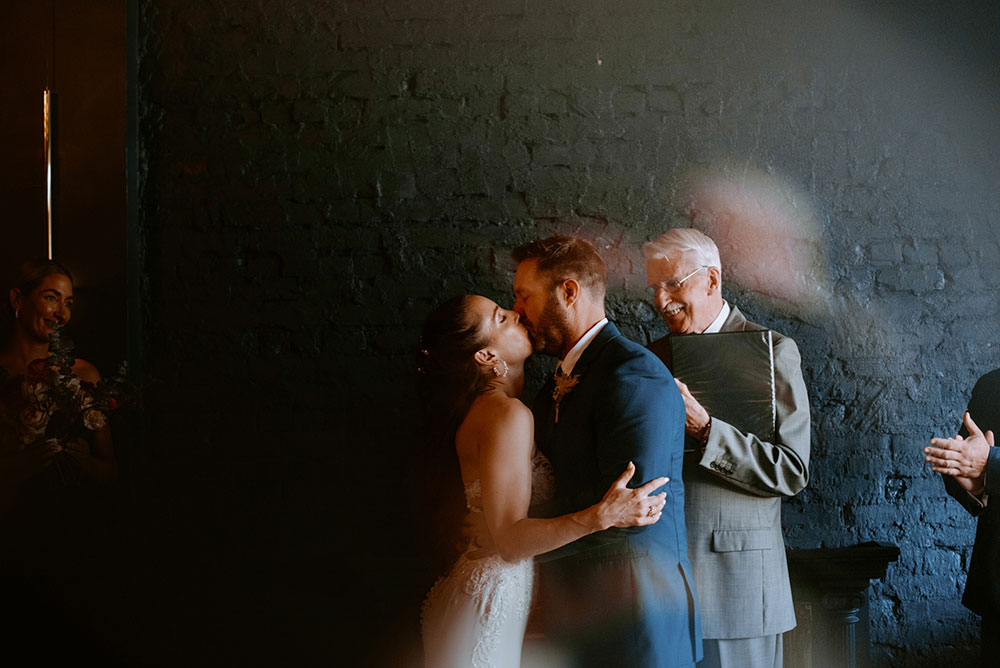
(766, 231)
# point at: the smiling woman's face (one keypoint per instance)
(46, 308)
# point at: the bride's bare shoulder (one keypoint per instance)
(498, 408)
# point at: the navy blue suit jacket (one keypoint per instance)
(622, 596)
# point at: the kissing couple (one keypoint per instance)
(617, 585)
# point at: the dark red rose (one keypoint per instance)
(38, 371)
(112, 403)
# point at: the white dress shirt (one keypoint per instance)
(566, 365)
(719, 319)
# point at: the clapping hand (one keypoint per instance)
(962, 458)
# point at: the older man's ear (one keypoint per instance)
(714, 280)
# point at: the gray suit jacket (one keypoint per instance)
(733, 506)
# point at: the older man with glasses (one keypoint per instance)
(734, 480)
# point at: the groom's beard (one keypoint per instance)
(551, 333)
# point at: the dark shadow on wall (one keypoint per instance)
(314, 179)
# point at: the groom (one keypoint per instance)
(622, 597)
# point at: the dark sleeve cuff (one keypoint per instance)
(992, 473)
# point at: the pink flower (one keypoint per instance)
(34, 418)
(87, 401)
(34, 391)
(33, 422)
(72, 383)
(94, 419)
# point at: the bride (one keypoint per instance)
(471, 378)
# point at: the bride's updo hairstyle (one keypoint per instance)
(450, 379)
(448, 382)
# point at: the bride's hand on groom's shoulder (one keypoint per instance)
(623, 506)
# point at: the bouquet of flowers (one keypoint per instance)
(51, 402)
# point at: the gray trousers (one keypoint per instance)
(758, 652)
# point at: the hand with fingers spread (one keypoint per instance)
(962, 458)
(623, 506)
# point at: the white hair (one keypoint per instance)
(683, 242)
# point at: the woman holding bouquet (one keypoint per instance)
(40, 305)
(56, 535)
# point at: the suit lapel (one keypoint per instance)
(590, 354)
(562, 442)
(544, 403)
(735, 322)
(593, 350)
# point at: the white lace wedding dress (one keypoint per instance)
(475, 615)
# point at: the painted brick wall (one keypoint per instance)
(316, 176)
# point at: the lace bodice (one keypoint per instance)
(542, 485)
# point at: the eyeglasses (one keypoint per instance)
(674, 286)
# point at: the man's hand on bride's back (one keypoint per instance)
(477, 536)
(625, 507)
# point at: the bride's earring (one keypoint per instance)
(501, 374)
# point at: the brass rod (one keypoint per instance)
(48, 162)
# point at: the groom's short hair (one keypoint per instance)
(561, 256)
